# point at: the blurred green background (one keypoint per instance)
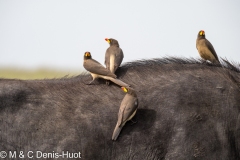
(41, 73)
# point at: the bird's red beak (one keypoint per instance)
(106, 39)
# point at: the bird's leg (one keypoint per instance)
(204, 61)
(107, 82)
(91, 82)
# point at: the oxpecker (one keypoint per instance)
(127, 110)
(205, 48)
(97, 70)
(113, 55)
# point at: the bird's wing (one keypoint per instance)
(125, 112)
(94, 66)
(120, 114)
(117, 54)
(119, 82)
(118, 58)
(197, 44)
(210, 47)
(116, 132)
(127, 108)
(107, 59)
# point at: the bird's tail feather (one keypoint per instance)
(216, 61)
(116, 132)
(116, 81)
(119, 82)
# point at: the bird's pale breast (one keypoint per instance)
(204, 52)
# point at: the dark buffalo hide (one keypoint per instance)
(187, 110)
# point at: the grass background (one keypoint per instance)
(41, 73)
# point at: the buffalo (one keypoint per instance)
(187, 110)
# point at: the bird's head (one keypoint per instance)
(201, 33)
(129, 90)
(125, 89)
(112, 41)
(87, 55)
(108, 40)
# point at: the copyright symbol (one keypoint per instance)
(3, 154)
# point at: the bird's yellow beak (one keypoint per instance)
(124, 89)
(87, 54)
(201, 33)
(106, 39)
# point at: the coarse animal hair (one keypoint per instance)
(188, 109)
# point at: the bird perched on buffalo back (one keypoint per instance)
(97, 70)
(127, 110)
(113, 56)
(205, 48)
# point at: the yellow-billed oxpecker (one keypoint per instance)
(205, 48)
(97, 70)
(127, 110)
(114, 55)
